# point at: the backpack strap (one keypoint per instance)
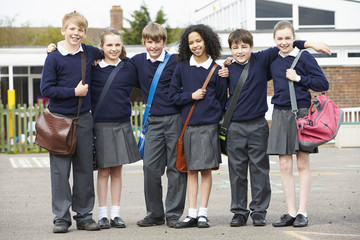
(294, 107)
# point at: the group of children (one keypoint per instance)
(179, 87)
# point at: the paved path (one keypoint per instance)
(334, 208)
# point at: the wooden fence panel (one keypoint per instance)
(22, 137)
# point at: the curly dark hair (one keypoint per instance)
(211, 39)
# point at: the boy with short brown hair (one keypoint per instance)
(164, 127)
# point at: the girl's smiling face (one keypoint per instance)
(197, 45)
(284, 40)
(112, 48)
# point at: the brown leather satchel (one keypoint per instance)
(180, 155)
(58, 134)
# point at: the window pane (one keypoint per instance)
(268, 9)
(21, 89)
(4, 86)
(20, 70)
(4, 70)
(309, 16)
(266, 24)
(36, 70)
(322, 55)
(354, 54)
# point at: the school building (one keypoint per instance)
(334, 22)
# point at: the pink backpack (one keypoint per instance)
(320, 125)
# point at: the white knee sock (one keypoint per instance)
(115, 212)
(203, 212)
(103, 212)
(192, 212)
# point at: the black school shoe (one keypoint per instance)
(61, 226)
(191, 223)
(285, 220)
(117, 223)
(300, 221)
(258, 220)
(88, 225)
(238, 220)
(104, 223)
(171, 222)
(148, 222)
(203, 224)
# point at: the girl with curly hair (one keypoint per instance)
(199, 48)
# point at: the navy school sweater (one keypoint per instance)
(60, 76)
(186, 80)
(146, 69)
(312, 77)
(115, 106)
(252, 103)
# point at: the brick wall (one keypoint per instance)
(344, 86)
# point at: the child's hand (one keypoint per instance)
(51, 48)
(228, 61)
(96, 62)
(291, 74)
(320, 47)
(81, 90)
(223, 72)
(198, 94)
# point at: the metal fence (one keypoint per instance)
(17, 126)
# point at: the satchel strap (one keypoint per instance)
(235, 98)
(193, 106)
(106, 87)
(154, 83)
(83, 76)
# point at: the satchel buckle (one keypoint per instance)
(223, 131)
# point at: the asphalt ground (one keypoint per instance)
(334, 207)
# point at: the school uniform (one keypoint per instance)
(283, 136)
(115, 143)
(248, 134)
(61, 74)
(164, 128)
(201, 141)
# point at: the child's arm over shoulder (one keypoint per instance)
(94, 53)
(221, 89)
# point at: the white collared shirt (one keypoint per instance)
(205, 64)
(293, 53)
(65, 52)
(160, 58)
(104, 64)
(240, 63)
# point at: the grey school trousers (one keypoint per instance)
(246, 145)
(81, 196)
(160, 152)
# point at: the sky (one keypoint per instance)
(43, 13)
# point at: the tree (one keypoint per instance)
(160, 17)
(141, 19)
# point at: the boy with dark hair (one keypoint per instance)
(61, 82)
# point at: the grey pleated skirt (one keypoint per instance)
(202, 147)
(283, 138)
(115, 144)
